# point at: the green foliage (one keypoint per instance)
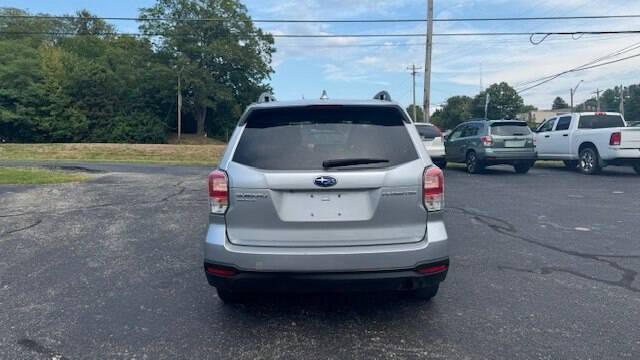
(610, 101)
(96, 86)
(458, 109)
(419, 113)
(504, 102)
(559, 103)
(223, 64)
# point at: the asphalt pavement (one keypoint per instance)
(543, 266)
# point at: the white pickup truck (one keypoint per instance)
(589, 141)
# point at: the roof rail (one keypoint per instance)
(266, 97)
(383, 96)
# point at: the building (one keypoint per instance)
(538, 116)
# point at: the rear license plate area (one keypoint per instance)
(514, 143)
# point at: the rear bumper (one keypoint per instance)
(396, 280)
(218, 250)
(494, 156)
(621, 155)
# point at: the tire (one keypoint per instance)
(474, 166)
(425, 293)
(230, 297)
(522, 167)
(571, 164)
(637, 168)
(589, 161)
(442, 164)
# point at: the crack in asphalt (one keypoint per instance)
(503, 227)
(22, 229)
(69, 210)
(40, 349)
(182, 190)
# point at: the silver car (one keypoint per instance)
(325, 195)
(432, 140)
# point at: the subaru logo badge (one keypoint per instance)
(325, 181)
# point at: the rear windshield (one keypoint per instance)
(510, 129)
(600, 121)
(301, 138)
(428, 131)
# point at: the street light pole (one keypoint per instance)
(573, 92)
(414, 71)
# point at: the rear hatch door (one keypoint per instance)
(511, 136)
(293, 184)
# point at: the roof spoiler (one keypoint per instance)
(382, 96)
(266, 98)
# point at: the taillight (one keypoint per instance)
(433, 191)
(218, 192)
(535, 141)
(220, 271)
(487, 140)
(433, 269)
(616, 138)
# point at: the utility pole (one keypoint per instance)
(597, 99)
(573, 92)
(179, 107)
(622, 100)
(414, 71)
(427, 64)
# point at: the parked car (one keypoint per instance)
(431, 137)
(589, 141)
(325, 195)
(482, 143)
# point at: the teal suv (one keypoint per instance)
(483, 143)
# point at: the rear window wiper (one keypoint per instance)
(348, 162)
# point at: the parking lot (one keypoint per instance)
(543, 265)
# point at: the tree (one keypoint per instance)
(223, 63)
(559, 103)
(419, 113)
(504, 102)
(456, 110)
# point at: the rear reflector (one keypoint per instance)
(433, 188)
(214, 270)
(616, 138)
(218, 192)
(432, 269)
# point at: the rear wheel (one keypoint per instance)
(230, 297)
(589, 161)
(442, 164)
(522, 167)
(571, 164)
(474, 166)
(425, 293)
(637, 168)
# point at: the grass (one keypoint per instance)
(31, 176)
(130, 153)
(192, 139)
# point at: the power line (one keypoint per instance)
(573, 33)
(586, 66)
(534, 18)
(579, 69)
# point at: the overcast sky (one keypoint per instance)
(357, 68)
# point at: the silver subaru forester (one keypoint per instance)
(325, 195)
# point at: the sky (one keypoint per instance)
(357, 68)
